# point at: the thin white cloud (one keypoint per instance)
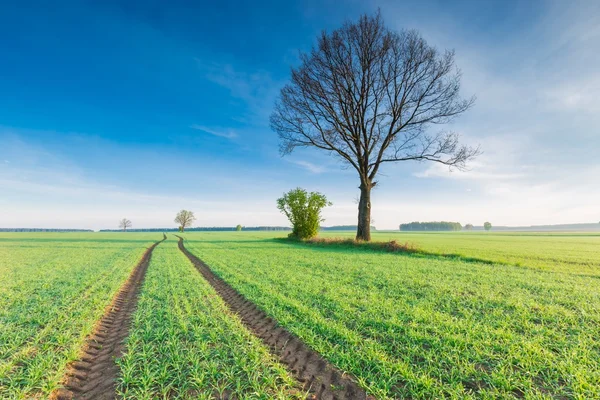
(479, 172)
(224, 133)
(257, 89)
(314, 168)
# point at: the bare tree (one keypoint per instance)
(367, 95)
(184, 218)
(124, 224)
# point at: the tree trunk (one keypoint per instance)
(363, 231)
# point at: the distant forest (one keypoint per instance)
(205, 229)
(343, 228)
(431, 226)
(233, 228)
(413, 226)
(43, 230)
(547, 228)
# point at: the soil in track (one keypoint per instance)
(318, 376)
(94, 376)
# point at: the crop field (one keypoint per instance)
(54, 289)
(473, 315)
(568, 252)
(428, 326)
(197, 347)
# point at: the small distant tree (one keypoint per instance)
(303, 209)
(184, 218)
(469, 227)
(124, 224)
(238, 228)
(487, 226)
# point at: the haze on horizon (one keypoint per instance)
(114, 110)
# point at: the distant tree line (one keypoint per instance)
(431, 226)
(205, 229)
(43, 230)
(343, 228)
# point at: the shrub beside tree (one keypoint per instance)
(303, 209)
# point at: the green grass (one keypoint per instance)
(524, 322)
(54, 288)
(568, 252)
(184, 342)
(428, 326)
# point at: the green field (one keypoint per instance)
(430, 326)
(576, 253)
(522, 322)
(54, 288)
(197, 347)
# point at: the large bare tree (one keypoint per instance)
(184, 218)
(124, 224)
(368, 95)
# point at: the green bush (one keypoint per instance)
(303, 209)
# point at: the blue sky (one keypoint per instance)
(138, 109)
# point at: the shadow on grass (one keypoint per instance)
(407, 249)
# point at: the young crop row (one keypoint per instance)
(53, 291)
(184, 343)
(423, 327)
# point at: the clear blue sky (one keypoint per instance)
(138, 109)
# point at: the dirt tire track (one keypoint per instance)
(317, 375)
(94, 375)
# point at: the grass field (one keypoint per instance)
(54, 288)
(569, 252)
(197, 348)
(522, 323)
(428, 326)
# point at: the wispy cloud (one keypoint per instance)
(224, 133)
(315, 169)
(257, 89)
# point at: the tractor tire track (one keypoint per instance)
(317, 375)
(94, 375)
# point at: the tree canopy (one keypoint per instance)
(368, 95)
(184, 218)
(124, 224)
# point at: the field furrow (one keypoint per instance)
(185, 343)
(309, 367)
(57, 287)
(423, 326)
(94, 374)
